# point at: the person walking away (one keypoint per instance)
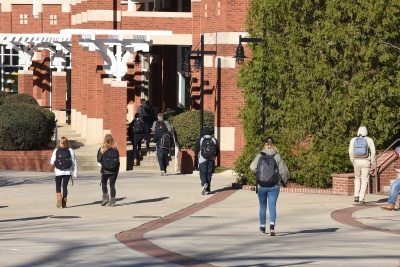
(153, 114)
(146, 116)
(156, 125)
(135, 133)
(65, 166)
(361, 153)
(393, 193)
(206, 149)
(163, 140)
(108, 157)
(270, 169)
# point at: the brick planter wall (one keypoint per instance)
(186, 161)
(36, 160)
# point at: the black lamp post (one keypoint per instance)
(198, 65)
(240, 60)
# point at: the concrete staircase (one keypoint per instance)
(86, 153)
(149, 159)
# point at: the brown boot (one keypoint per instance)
(389, 207)
(64, 202)
(140, 154)
(58, 195)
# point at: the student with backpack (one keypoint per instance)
(147, 117)
(206, 149)
(362, 153)
(108, 157)
(270, 169)
(65, 166)
(164, 141)
(135, 133)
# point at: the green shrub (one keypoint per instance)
(187, 127)
(3, 95)
(20, 98)
(23, 127)
(170, 113)
(51, 123)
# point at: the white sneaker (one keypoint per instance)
(162, 173)
(203, 190)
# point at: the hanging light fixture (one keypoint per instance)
(240, 54)
(137, 60)
(186, 65)
(197, 62)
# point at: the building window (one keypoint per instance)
(9, 69)
(53, 19)
(23, 18)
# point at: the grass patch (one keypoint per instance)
(219, 169)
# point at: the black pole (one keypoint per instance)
(262, 98)
(202, 84)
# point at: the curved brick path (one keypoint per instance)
(135, 239)
(344, 216)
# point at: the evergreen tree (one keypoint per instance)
(328, 68)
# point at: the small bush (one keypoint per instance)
(51, 123)
(3, 95)
(23, 127)
(20, 98)
(170, 113)
(187, 127)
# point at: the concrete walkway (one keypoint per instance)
(165, 221)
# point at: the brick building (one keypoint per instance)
(98, 58)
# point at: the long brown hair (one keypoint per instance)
(270, 145)
(63, 143)
(108, 142)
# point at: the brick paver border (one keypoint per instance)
(135, 239)
(344, 216)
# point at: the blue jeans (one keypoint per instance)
(162, 156)
(206, 170)
(271, 194)
(147, 132)
(393, 191)
(137, 146)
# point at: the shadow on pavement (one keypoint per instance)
(26, 219)
(313, 231)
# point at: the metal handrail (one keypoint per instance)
(376, 164)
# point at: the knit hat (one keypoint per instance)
(269, 139)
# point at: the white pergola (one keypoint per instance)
(124, 42)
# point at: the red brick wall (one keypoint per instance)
(37, 160)
(58, 92)
(186, 161)
(25, 83)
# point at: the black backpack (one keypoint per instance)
(63, 159)
(267, 173)
(110, 160)
(137, 127)
(145, 113)
(165, 141)
(208, 148)
(157, 126)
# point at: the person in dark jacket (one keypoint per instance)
(107, 175)
(147, 117)
(206, 163)
(163, 146)
(135, 136)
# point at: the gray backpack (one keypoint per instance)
(267, 173)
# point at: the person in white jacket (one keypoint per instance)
(362, 164)
(65, 167)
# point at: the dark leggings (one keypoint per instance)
(65, 180)
(113, 179)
